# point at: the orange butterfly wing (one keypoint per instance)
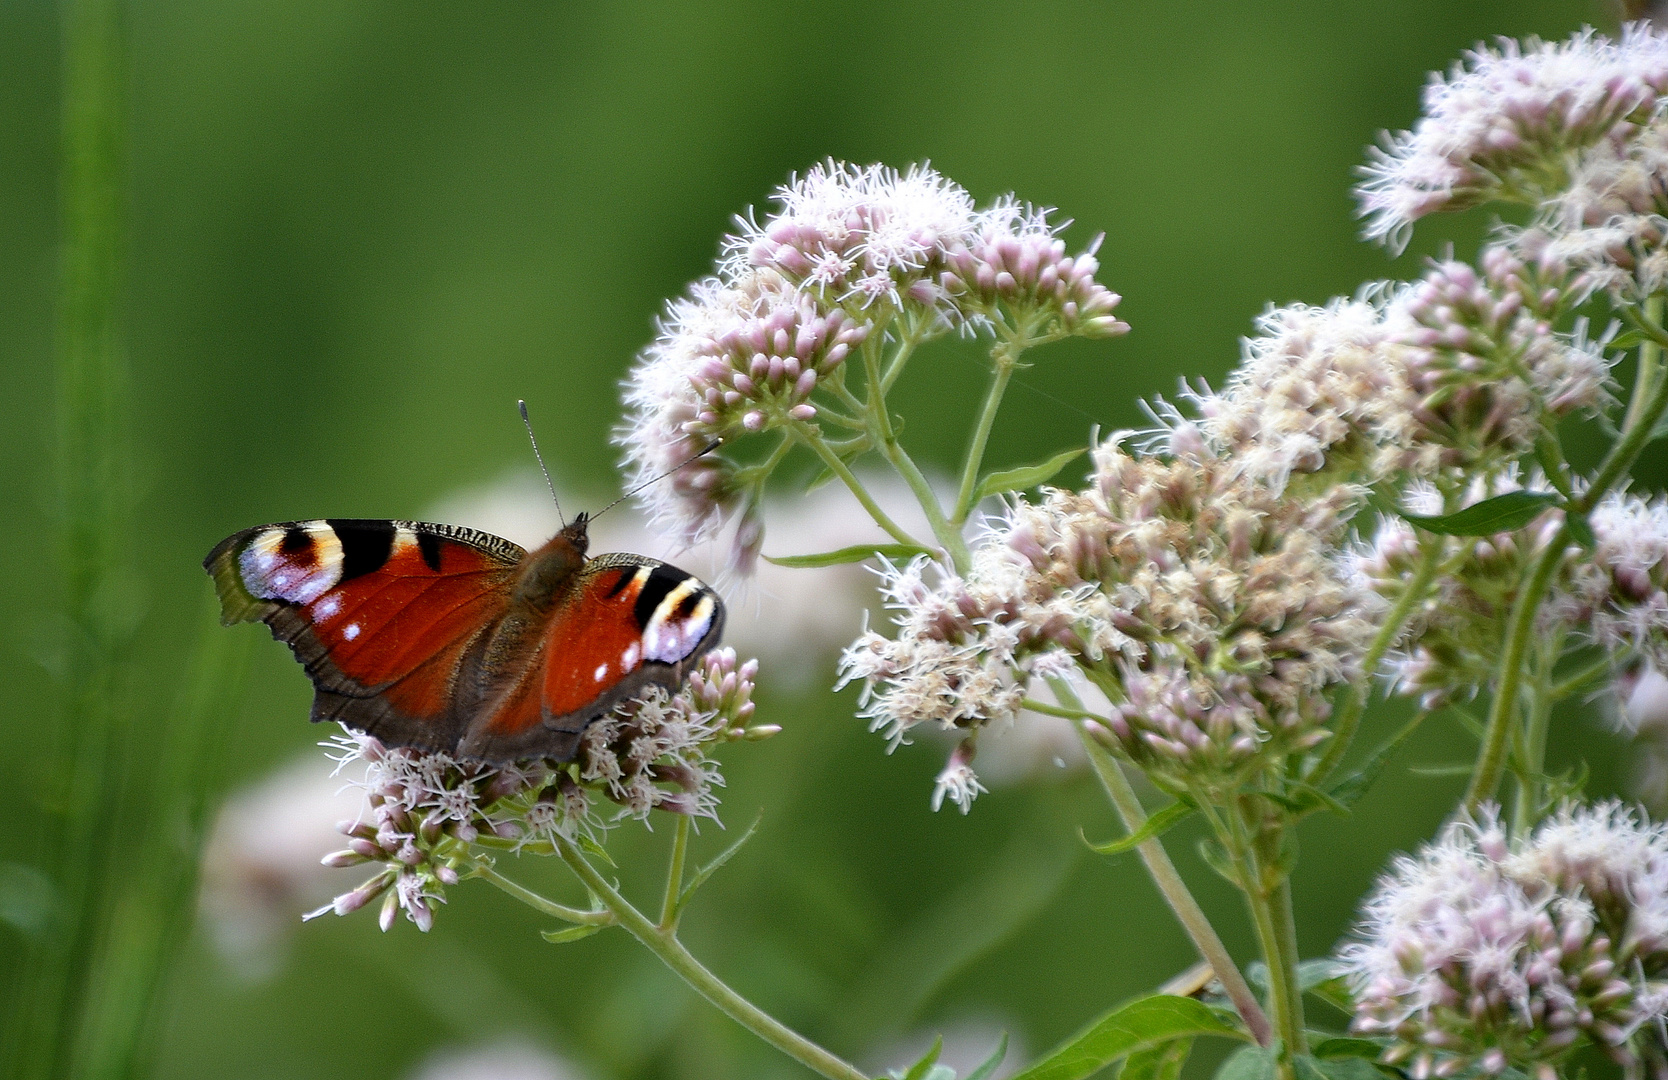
(626, 623)
(390, 618)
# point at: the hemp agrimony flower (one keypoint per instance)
(855, 257)
(1213, 608)
(1503, 125)
(1620, 596)
(427, 809)
(1487, 954)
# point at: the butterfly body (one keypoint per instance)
(448, 639)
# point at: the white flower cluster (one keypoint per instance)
(1214, 606)
(853, 254)
(1505, 124)
(1481, 954)
(1450, 376)
(1610, 221)
(426, 809)
(1620, 595)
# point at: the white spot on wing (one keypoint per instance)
(327, 608)
(601, 672)
(350, 631)
(628, 662)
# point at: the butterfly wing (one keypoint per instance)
(390, 618)
(627, 623)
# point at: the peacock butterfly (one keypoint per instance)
(447, 639)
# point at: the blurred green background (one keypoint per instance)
(360, 231)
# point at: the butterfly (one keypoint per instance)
(448, 639)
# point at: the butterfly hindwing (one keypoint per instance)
(388, 617)
(627, 623)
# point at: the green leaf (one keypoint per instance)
(1139, 1025)
(1348, 789)
(1347, 1047)
(1311, 973)
(1249, 1063)
(927, 1065)
(1581, 531)
(854, 554)
(1339, 1068)
(1219, 860)
(1503, 513)
(572, 933)
(1627, 339)
(590, 845)
(991, 1063)
(1156, 825)
(718, 860)
(1026, 476)
(1161, 1062)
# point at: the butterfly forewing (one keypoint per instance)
(383, 614)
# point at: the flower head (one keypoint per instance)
(1619, 597)
(1503, 124)
(1216, 606)
(1481, 953)
(427, 809)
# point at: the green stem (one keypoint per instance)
(1004, 358)
(674, 875)
(1268, 897)
(672, 953)
(533, 900)
(949, 537)
(1650, 366)
(814, 442)
(1349, 717)
(1491, 758)
(1171, 886)
(49, 1029)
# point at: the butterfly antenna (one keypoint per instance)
(703, 452)
(528, 424)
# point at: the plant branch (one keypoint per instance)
(669, 908)
(1004, 358)
(1171, 886)
(671, 951)
(486, 872)
(815, 443)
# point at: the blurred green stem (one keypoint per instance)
(674, 875)
(1163, 872)
(83, 771)
(665, 944)
(814, 441)
(1004, 358)
(1267, 887)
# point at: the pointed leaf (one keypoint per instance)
(1156, 825)
(1339, 1068)
(1346, 1047)
(921, 1068)
(1026, 476)
(1249, 1063)
(1581, 530)
(1503, 513)
(718, 860)
(572, 933)
(590, 845)
(1139, 1025)
(991, 1063)
(1161, 1062)
(1311, 973)
(854, 554)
